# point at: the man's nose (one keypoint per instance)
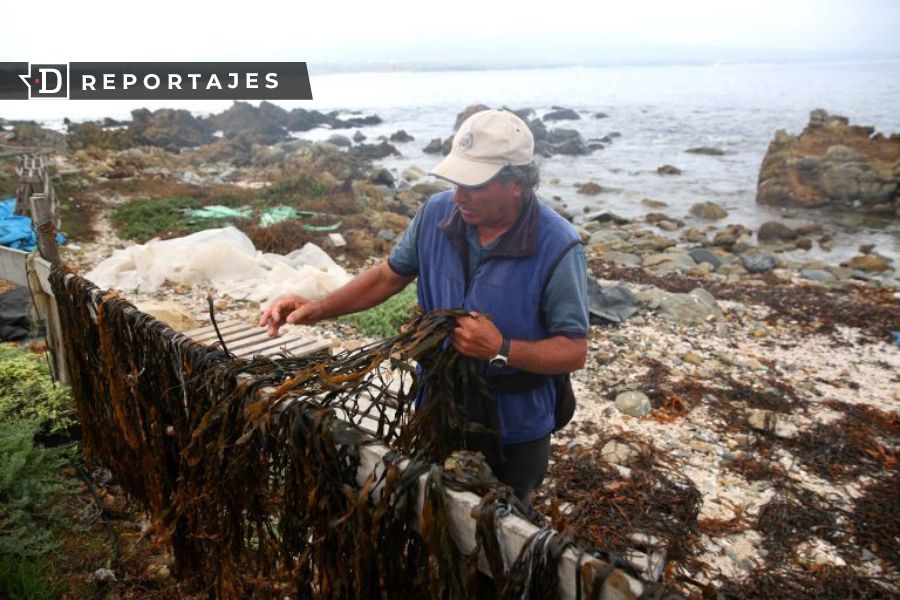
(461, 195)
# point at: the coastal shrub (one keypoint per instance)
(147, 218)
(30, 481)
(27, 579)
(28, 393)
(385, 319)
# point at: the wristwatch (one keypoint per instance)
(499, 361)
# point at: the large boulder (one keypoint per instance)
(832, 164)
(561, 114)
(169, 128)
(265, 125)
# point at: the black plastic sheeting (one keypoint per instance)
(613, 304)
(14, 322)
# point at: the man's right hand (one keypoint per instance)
(290, 309)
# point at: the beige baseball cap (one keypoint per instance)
(485, 143)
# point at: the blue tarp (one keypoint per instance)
(16, 231)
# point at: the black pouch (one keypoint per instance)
(522, 382)
(565, 401)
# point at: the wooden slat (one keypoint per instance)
(12, 266)
(210, 332)
(296, 346)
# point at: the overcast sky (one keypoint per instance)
(565, 31)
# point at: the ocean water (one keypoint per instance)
(660, 111)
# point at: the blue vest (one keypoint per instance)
(508, 285)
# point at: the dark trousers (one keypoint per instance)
(524, 467)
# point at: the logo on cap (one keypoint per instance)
(466, 141)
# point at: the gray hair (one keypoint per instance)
(529, 175)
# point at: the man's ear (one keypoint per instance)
(518, 188)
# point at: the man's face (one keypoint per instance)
(493, 204)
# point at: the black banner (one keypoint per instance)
(157, 81)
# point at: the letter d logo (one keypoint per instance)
(49, 81)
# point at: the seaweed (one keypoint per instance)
(248, 468)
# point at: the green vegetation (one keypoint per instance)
(385, 319)
(26, 579)
(144, 219)
(31, 479)
(27, 393)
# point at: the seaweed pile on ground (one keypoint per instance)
(823, 582)
(649, 506)
(874, 311)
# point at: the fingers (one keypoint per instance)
(264, 317)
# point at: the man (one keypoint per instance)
(491, 247)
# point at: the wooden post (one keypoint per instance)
(43, 218)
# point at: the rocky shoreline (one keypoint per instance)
(770, 383)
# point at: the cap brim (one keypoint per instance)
(465, 172)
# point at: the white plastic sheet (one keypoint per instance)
(224, 259)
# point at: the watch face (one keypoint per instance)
(498, 362)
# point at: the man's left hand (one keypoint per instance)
(477, 337)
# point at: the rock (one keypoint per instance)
(387, 235)
(816, 275)
(706, 150)
(607, 217)
(834, 164)
(693, 358)
(675, 259)
(301, 119)
(869, 263)
(468, 112)
(341, 141)
(656, 243)
(559, 135)
(761, 420)
(373, 151)
(668, 170)
(433, 147)
(773, 231)
(169, 129)
(766, 420)
(702, 255)
(804, 244)
(264, 124)
(623, 259)
(336, 240)
(635, 404)
(589, 189)
(401, 136)
(561, 114)
(618, 453)
(103, 575)
(808, 228)
(170, 313)
(359, 136)
(866, 248)
(383, 177)
(666, 225)
(694, 235)
(695, 307)
(760, 262)
(709, 211)
(413, 174)
(191, 178)
(654, 204)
